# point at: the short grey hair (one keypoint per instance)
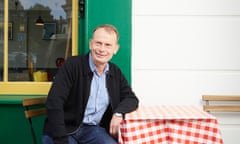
(109, 28)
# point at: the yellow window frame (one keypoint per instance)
(7, 87)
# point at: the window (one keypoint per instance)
(1, 39)
(35, 39)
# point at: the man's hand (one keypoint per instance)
(114, 125)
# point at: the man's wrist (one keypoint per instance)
(118, 114)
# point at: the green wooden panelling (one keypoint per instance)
(15, 99)
(116, 12)
(14, 126)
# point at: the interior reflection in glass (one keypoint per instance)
(33, 49)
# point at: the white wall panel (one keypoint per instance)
(183, 49)
(187, 7)
(230, 133)
(155, 87)
(187, 42)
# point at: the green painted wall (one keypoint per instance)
(14, 128)
(116, 12)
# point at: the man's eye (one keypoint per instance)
(108, 46)
(97, 43)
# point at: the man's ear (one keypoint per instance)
(90, 44)
(116, 48)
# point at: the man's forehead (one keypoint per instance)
(101, 33)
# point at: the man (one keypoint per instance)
(89, 95)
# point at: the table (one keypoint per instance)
(169, 125)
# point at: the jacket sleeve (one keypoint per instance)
(128, 101)
(56, 99)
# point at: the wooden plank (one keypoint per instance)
(221, 98)
(34, 101)
(221, 108)
(35, 112)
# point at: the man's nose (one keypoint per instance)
(102, 47)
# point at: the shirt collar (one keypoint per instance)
(93, 67)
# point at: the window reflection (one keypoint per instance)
(1, 39)
(33, 50)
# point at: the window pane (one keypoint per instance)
(34, 50)
(1, 39)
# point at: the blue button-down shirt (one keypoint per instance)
(98, 99)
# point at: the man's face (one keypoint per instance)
(103, 45)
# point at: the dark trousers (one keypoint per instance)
(86, 134)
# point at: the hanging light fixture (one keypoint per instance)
(39, 21)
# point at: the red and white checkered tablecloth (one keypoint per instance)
(169, 125)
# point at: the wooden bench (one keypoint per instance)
(221, 103)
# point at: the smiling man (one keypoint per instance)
(89, 95)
